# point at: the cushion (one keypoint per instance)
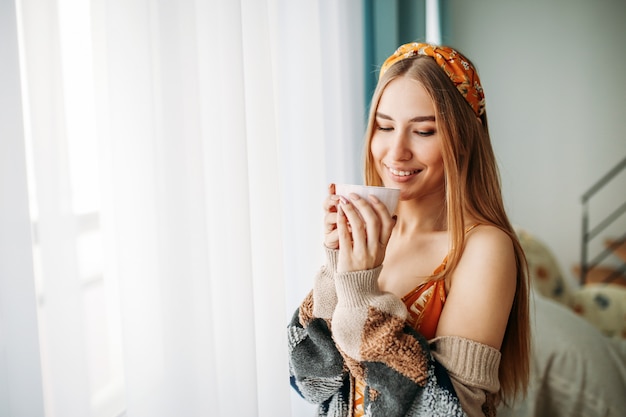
(576, 371)
(603, 305)
(544, 272)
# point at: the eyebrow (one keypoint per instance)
(415, 119)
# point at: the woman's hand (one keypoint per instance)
(331, 237)
(364, 228)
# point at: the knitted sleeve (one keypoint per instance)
(316, 367)
(473, 369)
(324, 294)
(402, 378)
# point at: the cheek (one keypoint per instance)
(377, 153)
(376, 149)
(433, 154)
(439, 167)
(374, 142)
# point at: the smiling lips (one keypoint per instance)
(400, 173)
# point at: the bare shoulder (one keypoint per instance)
(487, 237)
(488, 250)
(482, 288)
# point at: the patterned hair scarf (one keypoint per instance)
(455, 65)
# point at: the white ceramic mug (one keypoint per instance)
(388, 196)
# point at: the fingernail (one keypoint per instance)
(373, 198)
(344, 200)
(354, 196)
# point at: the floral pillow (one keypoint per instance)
(603, 305)
(543, 269)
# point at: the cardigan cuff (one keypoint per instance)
(331, 258)
(324, 294)
(472, 363)
(357, 288)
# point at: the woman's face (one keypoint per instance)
(405, 145)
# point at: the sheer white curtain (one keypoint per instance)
(179, 152)
(20, 366)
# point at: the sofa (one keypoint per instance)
(578, 360)
(603, 305)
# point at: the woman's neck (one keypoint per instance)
(421, 216)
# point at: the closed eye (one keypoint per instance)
(425, 133)
(385, 129)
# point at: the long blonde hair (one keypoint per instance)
(472, 189)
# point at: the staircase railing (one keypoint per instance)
(588, 235)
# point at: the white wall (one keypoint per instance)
(555, 82)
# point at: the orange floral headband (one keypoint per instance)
(455, 65)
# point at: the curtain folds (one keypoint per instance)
(180, 154)
(20, 365)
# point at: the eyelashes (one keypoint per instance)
(422, 133)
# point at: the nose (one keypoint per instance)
(399, 149)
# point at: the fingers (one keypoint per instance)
(364, 227)
(330, 218)
(331, 200)
(330, 203)
(371, 220)
(387, 221)
(355, 224)
(330, 231)
(344, 235)
(330, 221)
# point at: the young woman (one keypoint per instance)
(424, 312)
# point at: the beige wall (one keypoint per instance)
(554, 73)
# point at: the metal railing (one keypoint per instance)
(588, 235)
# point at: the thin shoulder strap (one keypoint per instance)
(442, 267)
